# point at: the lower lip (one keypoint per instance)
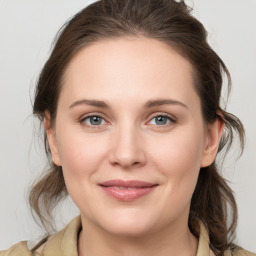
(127, 195)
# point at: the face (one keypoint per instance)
(130, 136)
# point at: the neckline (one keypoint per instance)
(65, 242)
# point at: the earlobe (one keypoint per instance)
(51, 137)
(214, 133)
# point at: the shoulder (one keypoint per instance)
(242, 252)
(63, 243)
(19, 249)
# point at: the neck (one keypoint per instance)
(175, 241)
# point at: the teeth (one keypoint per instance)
(123, 188)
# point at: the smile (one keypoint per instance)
(127, 191)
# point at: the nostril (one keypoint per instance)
(126, 154)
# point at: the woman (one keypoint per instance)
(130, 102)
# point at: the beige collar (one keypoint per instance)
(64, 243)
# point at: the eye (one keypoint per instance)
(161, 120)
(94, 120)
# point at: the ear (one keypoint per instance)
(51, 137)
(213, 136)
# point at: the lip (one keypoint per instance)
(127, 191)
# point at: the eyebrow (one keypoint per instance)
(95, 103)
(160, 102)
(148, 104)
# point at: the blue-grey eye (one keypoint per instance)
(160, 120)
(94, 120)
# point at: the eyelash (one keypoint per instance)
(82, 121)
(172, 120)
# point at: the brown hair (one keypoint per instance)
(172, 23)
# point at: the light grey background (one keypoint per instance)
(27, 28)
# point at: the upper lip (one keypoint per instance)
(127, 183)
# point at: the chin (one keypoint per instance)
(134, 229)
(131, 224)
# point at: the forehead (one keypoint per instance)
(128, 66)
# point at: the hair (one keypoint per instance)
(170, 22)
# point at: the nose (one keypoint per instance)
(127, 149)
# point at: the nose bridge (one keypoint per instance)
(127, 147)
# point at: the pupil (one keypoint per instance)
(95, 120)
(161, 120)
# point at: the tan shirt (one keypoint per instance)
(64, 243)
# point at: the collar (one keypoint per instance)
(64, 243)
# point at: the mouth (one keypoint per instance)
(127, 191)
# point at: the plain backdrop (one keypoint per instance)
(27, 28)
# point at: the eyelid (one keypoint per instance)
(83, 117)
(172, 118)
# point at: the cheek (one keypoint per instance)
(181, 148)
(80, 155)
(178, 159)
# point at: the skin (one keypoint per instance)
(130, 144)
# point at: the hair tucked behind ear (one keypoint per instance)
(172, 23)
